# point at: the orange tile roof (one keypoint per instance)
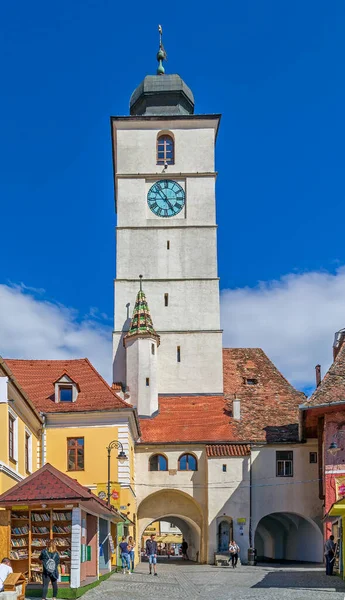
(269, 409)
(227, 450)
(37, 378)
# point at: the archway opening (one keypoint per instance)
(170, 533)
(181, 512)
(288, 537)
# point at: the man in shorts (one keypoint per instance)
(151, 552)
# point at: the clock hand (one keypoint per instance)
(161, 193)
(165, 197)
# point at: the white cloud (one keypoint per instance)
(31, 327)
(293, 320)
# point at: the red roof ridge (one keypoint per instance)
(81, 492)
(125, 404)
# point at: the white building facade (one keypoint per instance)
(221, 452)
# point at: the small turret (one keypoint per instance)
(141, 343)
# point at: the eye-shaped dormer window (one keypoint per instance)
(165, 150)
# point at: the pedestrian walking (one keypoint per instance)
(125, 556)
(5, 570)
(329, 550)
(131, 551)
(151, 552)
(234, 550)
(50, 560)
(184, 548)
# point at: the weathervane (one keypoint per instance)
(161, 54)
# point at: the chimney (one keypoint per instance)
(339, 339)
(236, 409)
(318, 375)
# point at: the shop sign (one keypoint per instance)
(115, 492)
(20, 507)
(241, 521)
(111, 544)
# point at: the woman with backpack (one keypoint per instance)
(50, 560)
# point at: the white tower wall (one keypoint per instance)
(141, 374)
(176, 256)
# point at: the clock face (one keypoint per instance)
(166, 198)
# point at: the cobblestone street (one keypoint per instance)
(190, 582)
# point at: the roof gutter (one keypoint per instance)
(324, 405)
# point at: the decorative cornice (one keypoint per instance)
(8, 471)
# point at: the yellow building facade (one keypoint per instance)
(74, 417)
(21, 426)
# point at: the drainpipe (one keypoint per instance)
(250, 501)
(43, 441)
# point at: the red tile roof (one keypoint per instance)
(227, 450)
(37, 378)
(47, 484)
(269, 408)
(332, 388)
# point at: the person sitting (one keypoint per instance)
(5, 570)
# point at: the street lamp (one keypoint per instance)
(333, 447)
(121, 457)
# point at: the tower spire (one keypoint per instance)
(141, 322)
(161, 54)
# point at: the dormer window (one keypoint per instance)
(66, 393)
(250, 381)
(66, 390)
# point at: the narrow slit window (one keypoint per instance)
(224, 468)
(152, 348)
(147, 381)
(166, 299)
(178, 353)
(168, 245)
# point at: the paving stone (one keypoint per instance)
(188, 581)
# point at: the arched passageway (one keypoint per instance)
(181, 510)
(288, 536)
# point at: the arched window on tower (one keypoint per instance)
(165, 150)
(158, 462)
(187, 462)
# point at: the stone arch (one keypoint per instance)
(179, 507)
(288, 536)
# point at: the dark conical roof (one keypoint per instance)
(160, 95)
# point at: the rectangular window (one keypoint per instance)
(178, 353)
(66, 393)
(224, 468)
(168, 245)
(251, 381)
(27, 453)
(11, 422)
(75, 454)
(166, 299)
(313, 457)
(152, 348)
(147, 381)
(284, 463)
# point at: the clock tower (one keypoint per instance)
(164, 175)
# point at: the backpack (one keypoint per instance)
(49, 564)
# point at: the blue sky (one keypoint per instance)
(275, 72)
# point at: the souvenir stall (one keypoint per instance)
(49, 505)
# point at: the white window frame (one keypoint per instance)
(29, 434)
(15, 437)
(285, 463)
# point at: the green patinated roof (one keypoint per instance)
(141, 323)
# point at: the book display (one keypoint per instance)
(30, 532)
